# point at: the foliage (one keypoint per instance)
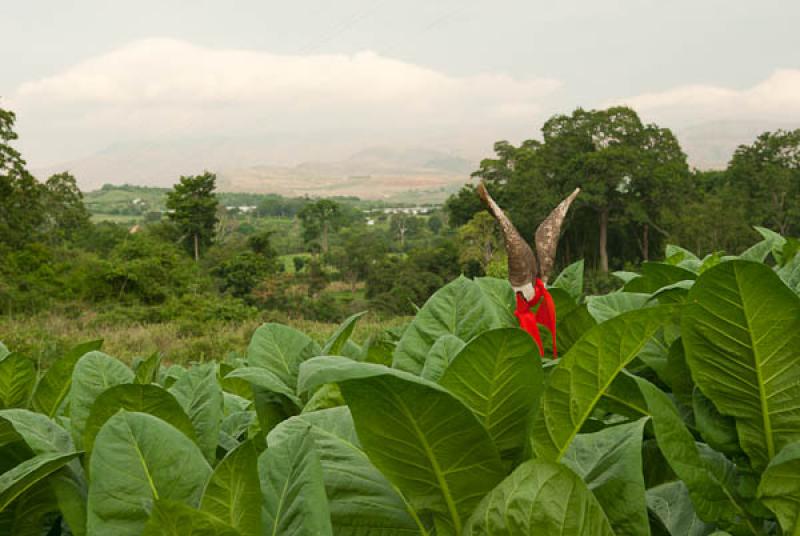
(672, 412)
(193, 207)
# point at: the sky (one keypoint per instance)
(331, 76)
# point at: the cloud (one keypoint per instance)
(775, 99)
(169, 88)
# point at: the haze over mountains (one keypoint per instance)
(262, 165)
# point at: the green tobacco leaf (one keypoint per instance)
(656, 275)
(138, 459)
(361, 500)
(672, 506)
(17, 378)
(501, 296)
(442, 353)
(266, 380)
(3, 351)
(147, 371)
(775, 240)
(758, 252)
(150, 399)
(233, 491)
(336, 342)
(790, 273)
(586, 372)
(710, 479)
(672, 252)
(24, 475)
(460, 308)
(741, 331)
(498, 375)
(779, 489)
(199, 393)
(571, 280)
(719, 431)
(421, 437)
(29, 512)
(327, 396)
(44, 436)
(172, 518)
(293, 489)
(54, 386)
(539, 498)
(571, 327)
(280, 349)
(610, 462)
(607, 306)
(93, 373)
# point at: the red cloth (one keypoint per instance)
(545, 315)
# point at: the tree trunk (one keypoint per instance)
(646, 242)
(325, 237)
(604, 240)
(196, 248)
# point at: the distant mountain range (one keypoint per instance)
(249, 165)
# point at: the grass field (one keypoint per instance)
(44, 337)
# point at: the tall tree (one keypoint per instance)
(319, 219)
(769, 171)
(63, 204)
(193, 207)
(617, 161)
(21, 213)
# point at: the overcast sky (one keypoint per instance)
(83, 75)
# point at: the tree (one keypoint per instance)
(479, 241)
(21, 213)
(404, 226)
(193, 208)
(319, 219)
(63, 205)
(618, 162)
(769, 172)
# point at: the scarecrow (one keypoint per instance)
(528, 271)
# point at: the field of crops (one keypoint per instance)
(673, 409)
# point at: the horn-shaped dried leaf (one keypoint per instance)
(547, 236)
(521, 261)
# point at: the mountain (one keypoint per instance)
(372, 173)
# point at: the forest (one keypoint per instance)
(191, 362)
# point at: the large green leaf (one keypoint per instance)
(150, 399)
(572, 325)
(93, 373)
(672, 506)
(29, 512)
(336, 342)
(24, 475)
(498, 375)
(586, 372)
(607, 306)
(709, 477)
(741, 331)
(443, 351)
(539, 498)
(656, 275)
(610, 462)
(54, 386)
(501, 297)
(571, 280)
(3, 351)
(293, 489)
(172, 518)
(199, 393)
(17, 378)
(266, 380)
(421, 437)
(790, 273)
(147, 369)
(361, 500)
(779, 489)
(138, 459)
(280, 349)
(233, 491)
(460, 308)
(44, 436)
